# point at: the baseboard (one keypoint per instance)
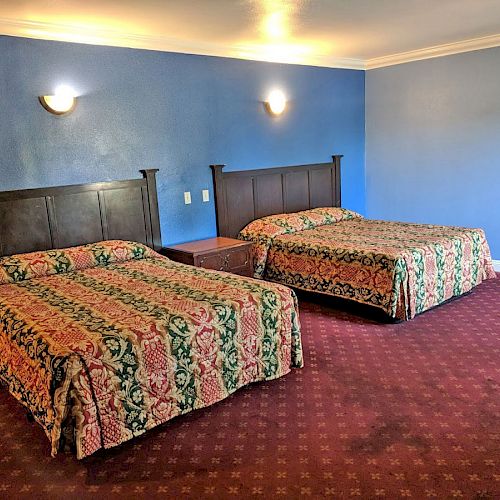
(496, 265)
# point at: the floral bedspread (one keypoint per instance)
(105, 341)
(401, 268)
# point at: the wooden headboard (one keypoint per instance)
(246, 195)
(65, 216)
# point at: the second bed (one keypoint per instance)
(302, 238)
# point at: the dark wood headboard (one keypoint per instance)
(246, 195)
(65, 216)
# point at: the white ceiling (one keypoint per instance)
(336, 33)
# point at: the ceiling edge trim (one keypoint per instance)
(114, 38)
(101, 36)
(447, 49)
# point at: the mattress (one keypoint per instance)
(402, 268)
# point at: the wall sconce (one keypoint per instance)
(276, 102)
(63, 101)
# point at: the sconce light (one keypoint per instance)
(63, 101)
(276, 102)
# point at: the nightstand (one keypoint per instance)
(221, 254)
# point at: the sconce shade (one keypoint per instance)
(276, 102)
(62, 102)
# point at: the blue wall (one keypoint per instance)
(433, 142)
(432, 128)
(142, 109)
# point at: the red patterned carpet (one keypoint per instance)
(409, 410)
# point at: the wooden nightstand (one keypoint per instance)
(221, 254)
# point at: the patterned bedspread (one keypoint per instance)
(105, 341)
(401, 268)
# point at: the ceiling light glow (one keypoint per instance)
(275, 26)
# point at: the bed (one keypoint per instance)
(102, 338)
(304, 239)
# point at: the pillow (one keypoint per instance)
(27, 266)
(274, 225)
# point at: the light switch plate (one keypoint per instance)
(205, 195)
(187, 197)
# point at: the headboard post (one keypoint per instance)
(150, 176)
(220, 199)
(336, 162)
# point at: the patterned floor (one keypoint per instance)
(409, 410)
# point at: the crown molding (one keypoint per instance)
(63, 32)
(104, 36)
(114, 38)
(446, 49)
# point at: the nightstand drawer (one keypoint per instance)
(239, 262)
(237, 258)
(233, 261)
(213, 261)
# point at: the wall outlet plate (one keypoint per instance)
(187, 197)
(205, 195)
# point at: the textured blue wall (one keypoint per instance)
(433, 142)
(180, 113)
